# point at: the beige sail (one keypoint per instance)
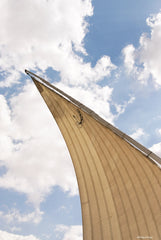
(119, 180)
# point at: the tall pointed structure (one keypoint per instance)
(119, 180)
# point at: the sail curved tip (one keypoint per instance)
(26, 71)
(31, 74)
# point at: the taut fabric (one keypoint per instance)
(120, 187)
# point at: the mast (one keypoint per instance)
(119, 179)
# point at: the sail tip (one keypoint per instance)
(31, 74)
(26, 71)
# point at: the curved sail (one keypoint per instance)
(119, 179)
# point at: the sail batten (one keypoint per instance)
(119, 179)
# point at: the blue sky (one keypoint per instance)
(106, 54)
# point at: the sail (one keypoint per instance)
(119, 180)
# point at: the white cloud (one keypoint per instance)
(24, 44)
(77, 73)
(156, 148)
(138, 134)
(69, 232)
(93, 97)
(73, 233)
(159, 131)
(129, 57)
(15, 229)
(150, 54)
(144, 62)
(14, 216)
(120, 108)
(9, 236)
(4, 115)
(5, 126)
(10, 78)
(32, 142)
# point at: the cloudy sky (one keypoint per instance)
(106, 54)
